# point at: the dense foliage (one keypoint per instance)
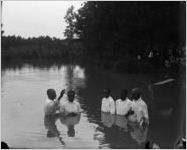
(126, 36)
(120, 31)
(38, 48)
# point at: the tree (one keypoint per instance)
(70, 20)
(115, 30)
(2, 31)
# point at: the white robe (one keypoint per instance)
(123, 107)
(140, 110)
(108, 105)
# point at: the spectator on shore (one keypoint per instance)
(123, 105)
(108, 104)
(51, 103)
(139, 109)
(139, 57)
(151, 54)
(70, 107)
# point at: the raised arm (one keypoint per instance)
(61, 94)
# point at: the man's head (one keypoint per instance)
(106, 92)
(51, 94)
(71, 95)
(136, 94)
(124, 93)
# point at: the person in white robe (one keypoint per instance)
(123, 105)
(108, 104)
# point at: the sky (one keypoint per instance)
(36, 18)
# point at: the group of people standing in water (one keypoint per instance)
(133, 108)
(68, 111)
(130, 106)
(67, 107)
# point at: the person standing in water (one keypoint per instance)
(70, 107)
(51, 103)
(50, 108)
(123, 105)
(139, 109)
(108, 104)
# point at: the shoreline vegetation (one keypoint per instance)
(16, 50)
(131, 37)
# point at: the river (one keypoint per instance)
(23, 92)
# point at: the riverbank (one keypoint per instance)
(45, 49)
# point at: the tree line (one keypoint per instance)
(120, 33)
(124, 36)
(43, 47)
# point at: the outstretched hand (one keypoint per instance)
(62, 92)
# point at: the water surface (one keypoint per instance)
(24, 92)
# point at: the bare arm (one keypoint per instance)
(61, 94)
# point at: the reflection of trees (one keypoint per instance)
(41, 64)
(75, 78)
(69, 77)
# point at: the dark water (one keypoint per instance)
(24, 91)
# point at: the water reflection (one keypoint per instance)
(121, 122)
(115, 129)
(75, 78)
(70, 121)
(49, 123)
(138, 133)
(52, 131)
(20, 82)
(71, 76)
(107, 119)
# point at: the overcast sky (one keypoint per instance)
(36, 18)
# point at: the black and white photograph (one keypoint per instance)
(93, 74)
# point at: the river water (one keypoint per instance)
(23, 92)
